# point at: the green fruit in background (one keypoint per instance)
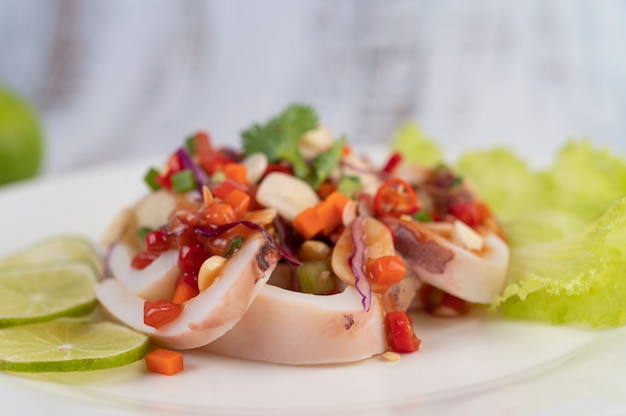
(21, 141)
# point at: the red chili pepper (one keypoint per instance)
(202, 143)
(157, 241)
(143, 259)
(226, 187)
(471, 213)
(400, 335)
(213, 162)
(159, 312)
(393, 161)
(395, 197)
(191, 255)
(278, 167)
(173, 165)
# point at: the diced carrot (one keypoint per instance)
(328, 215)
(239, 200)
(346, 150)
(164, 361)
(307, 223)
(183, 293)
(325, 189)
(236, 172)
(338, 200)
(386, 270)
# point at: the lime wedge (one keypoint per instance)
(69, 346)
(56, 249)
(43, 292)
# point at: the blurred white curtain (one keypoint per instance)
(117, 80)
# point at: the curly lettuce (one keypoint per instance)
(566, 226)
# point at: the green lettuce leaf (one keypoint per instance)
(566, 226)
(415, 146)
(578, 279)
(583, 182)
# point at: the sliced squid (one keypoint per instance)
(289, 327)
(472, 275)
(212, 312)
(155, 281)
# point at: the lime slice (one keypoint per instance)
(69, 346)
(43, 292)
(56, 249)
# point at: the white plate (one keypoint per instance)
(476, 364)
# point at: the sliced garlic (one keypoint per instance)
(314, 142)
(466, 237)
(286, 193)
(256, 164)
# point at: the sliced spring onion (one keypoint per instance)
(183, 181)
(315, 277)
(199, 176)
(190, 144)
(350, 186)
(234, 245)
(150, 179)
(423, 216)
(142, 231)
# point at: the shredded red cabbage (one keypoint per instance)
(188, 163)
(212, 231)
(357, 262)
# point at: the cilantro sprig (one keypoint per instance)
(278, 139)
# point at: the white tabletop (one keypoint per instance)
(117, 80)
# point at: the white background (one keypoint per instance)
(117, 80)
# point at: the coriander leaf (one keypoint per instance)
(278, 139)
(324, 163)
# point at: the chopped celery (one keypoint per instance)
(315, 277)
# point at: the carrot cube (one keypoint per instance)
(165, 362)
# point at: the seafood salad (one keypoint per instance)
(297, 250)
